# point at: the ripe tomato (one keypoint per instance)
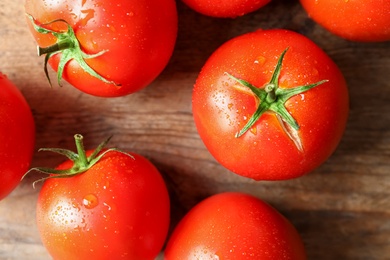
(17, 136)
(254, 119)
(234, 226)
(357, 20)
(225, 9)
(121, 46)
(116, 209)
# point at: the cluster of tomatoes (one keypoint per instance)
(262, 102)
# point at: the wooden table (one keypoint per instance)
(342, 209)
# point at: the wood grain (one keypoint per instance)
(342, 209)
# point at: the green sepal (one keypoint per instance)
(272, 98)
(68, 45)
(81, 162)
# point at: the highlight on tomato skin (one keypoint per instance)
(270, 105)
(106, 48)
(358, 20)
(225, 9)
(234, 225)
(17, 136)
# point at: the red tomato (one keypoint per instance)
(17, 136)
(357, 20)
(130, 41)
(275, 146)
(234, 226)
(117, 209)
(225, 9)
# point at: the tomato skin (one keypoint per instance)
(234, 226)
(17, 136)
(225, 9)
(265, 152)
(118, 209)
(138, 36)
(356, 20)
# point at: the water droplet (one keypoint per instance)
(75, 206)
(94, 43)
(108, 206)
(112, 28)
(253, 130)
(106, 185)
(90, 201)
(260, 60)
(74, 16)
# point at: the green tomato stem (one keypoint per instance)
(58, 46)
(82, 160)
(270, 89)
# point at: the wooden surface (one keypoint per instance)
(342, 209)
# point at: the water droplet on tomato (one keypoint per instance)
(260, 60)
(106, 185)
(253, 130)
(90, 201)
(76, 206)
(112, 28)
(74, 16)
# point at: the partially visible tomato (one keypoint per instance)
(234, 226)
(117, 209)
(225, 9)
(17, 136)
(356, 20)
(270, 105)
(131, 41)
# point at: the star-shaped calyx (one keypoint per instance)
(273, 98)
(68, 45)
(81, 162)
